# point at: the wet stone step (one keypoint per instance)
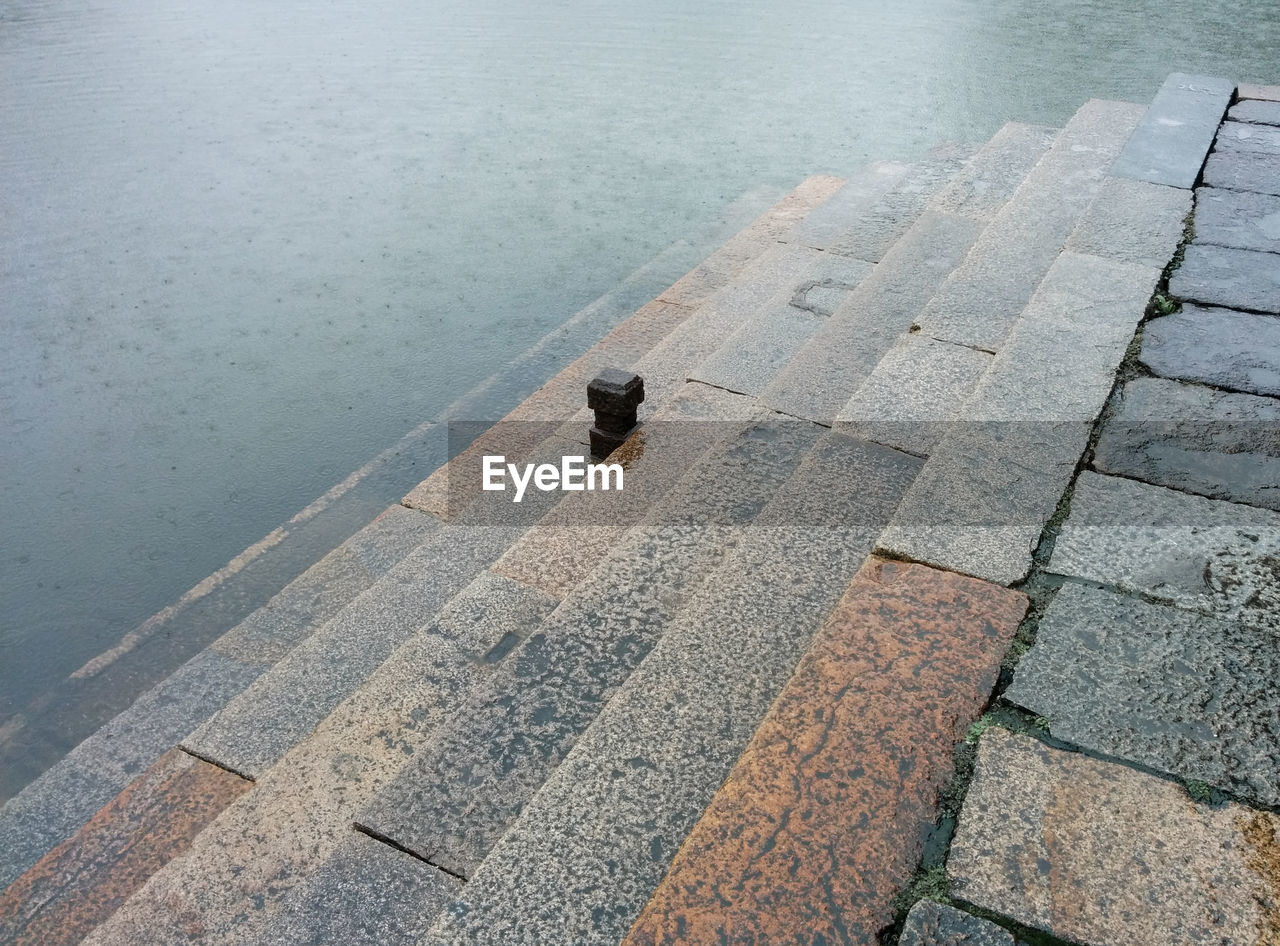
(85, 879)
(844, 770)
(1238, 218)
(1195, 439)
(1235, 279)
(1170, 143)
(1244, 171)
(1045, 837)
(936, 924)
(1133, 222)
(1201, 554)
(1240, 136)
(1178, 691)
(1262, 113)
(986, 182)
(584, 856)
(1239, 351)
(827, 225)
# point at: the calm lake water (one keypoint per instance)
(248, 245)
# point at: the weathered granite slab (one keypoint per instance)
(1244, 171)
(1266, 93)
(990, 178)
(1170, 144)
(1195, 439)
(1258, 112)
(1133, 222)
(1174, 690)
(1238, 218)
(1242, 136)
(844, 769)
(1236, 279)
(753, 356)
(825, 225)
(1202, 554)
(1239, 351)
(586, 853)
(829, 282)
(936, 924)
(1099, 854)
(983, 298)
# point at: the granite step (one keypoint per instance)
(827, 225)
(1179, 692)
(983, 298)
(1169, 145)
(586, 852)
(1097, 853)
(1238, 351)
(288, 839)
(460, 794)
(53, 807)
(874, 712)
(1238, 219)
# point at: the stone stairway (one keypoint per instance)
(721, 704)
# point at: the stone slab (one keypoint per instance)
(827, 284)
(244, 869)
(916, 391)
(826, 225)
(1170, 144)
(990, 178)
(586, 853)
(1180, 692)
(1195, 439)
(1240, 219)
(1244, 171)
(844, 351)
(1202, 554)
(980, 302)
(936, 924)
(752, 357)
(1259, 112)
(1239, 351)
(847, 763)
(1252, 90)
(367, 894)
(85, 879)
(1235, 279)
(1133, 222)
(1098, 853)
(1243, 136)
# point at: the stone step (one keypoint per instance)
(585, 853)
(1239, 351)
(79, 883)
(1201, 554)
(1241, 136)
(846, 765)
(1195, 439)
(1238, 219)
(1235, 279)
(1243, 171)
(1097, 853)
(53, 807)
(985, 184)
(1261, 113)
(826, 226)
(982, 299)
(288, 838)
(1169, 145)
(1180, 692)
(459, 795)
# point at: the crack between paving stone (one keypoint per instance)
(383, 839)
(209, 760)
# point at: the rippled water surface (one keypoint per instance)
(248, 245)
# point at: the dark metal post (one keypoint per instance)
(614, 395)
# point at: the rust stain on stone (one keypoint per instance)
(1260, 834)
(819, 824)
(82, 881)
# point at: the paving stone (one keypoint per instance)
(983, 186)
(827, 284)
(846, 765)
(1266, 93)
(1239, 351)
(587, 852)
(1259, 112)
(1133, 222)
(1170, 144)
(1195, 439)
(1242, 136)
(454, 802)
(752, 357)
(53, 807)
(989, 487)
(1202, 554)
(1180, 692)
(86, 878)
(845, 349)
(916, 391)
(243, 870)
(936, 924)
(983, 298)
(368, 894)
(1244, 171)
(1238, 218)
(827, 224)
(1236, 279)
(1098, 853)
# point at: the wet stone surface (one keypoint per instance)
(1132, 222)
(1264, 113)
(1236, 279)
(1239, 351)
(1240, 219)
(1169, 145)
(1243, 170)
(1240, 136)
(936, 924)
